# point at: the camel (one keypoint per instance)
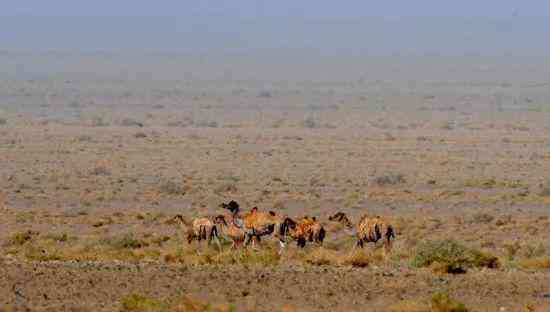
(255, 223)
(199, 229)
(232, 229)
(374, 229)
(307, 229)
(369, 229)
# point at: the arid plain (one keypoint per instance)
(98, 151)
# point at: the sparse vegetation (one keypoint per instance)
(20, 238)
(98, 162)
(409, 306)
(101, 171)
(536, 263)
(99, 121)
(309, 122)
(125, 241)
(448, 256)
(137, 302)
(390, 179)
(24, 217)
(129, 122)
(441, 302)
(171, 188)
(483, 218)
(140, 135)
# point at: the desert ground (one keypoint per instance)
(98, 152)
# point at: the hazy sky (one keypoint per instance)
(466, 26)
(252, 8)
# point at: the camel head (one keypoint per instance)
(232, 206)
(342, 218)
(179, 219)
(220, 219)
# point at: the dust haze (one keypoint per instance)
(438, 125)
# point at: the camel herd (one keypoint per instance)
(245, 228)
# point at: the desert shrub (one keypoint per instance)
(75, 212)
(321, 256)
(390, 179)
(309, 122)
(533, 250)
(150, 217)
(99, 121)
(24, 217)
(481, 183)
(207, 124)
(84, 138)
(226, 187)
(126, 241)
(170, 187)
(503, 220)
(140, 135)
(129, 122)
(451, 257)
(545, 192)
(160, 240)
(265, 257)
(482, 217)
(20, 238)
(138, 302)
(103, 221)
(357, 259)
(389, 137)
(408, 306)
(443, 303)
(3, 121)
(191, 304)
(449, 125)
(38, 253)
(101, 171)
(511, 249)
(59, 237)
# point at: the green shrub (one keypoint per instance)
(127, 241)
(443, 303)
(452, 257)
(20, 238)
(137, 302)
(39, 253)
(59, 237)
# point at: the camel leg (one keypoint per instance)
(359, 243)
(247, 239)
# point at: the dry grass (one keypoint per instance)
(536, 263)
(357, 258)
(323, 256)
(187, 303)
(442, 302)
(409, 306)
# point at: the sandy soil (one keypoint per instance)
(93, 167)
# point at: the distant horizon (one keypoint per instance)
(453, 35)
